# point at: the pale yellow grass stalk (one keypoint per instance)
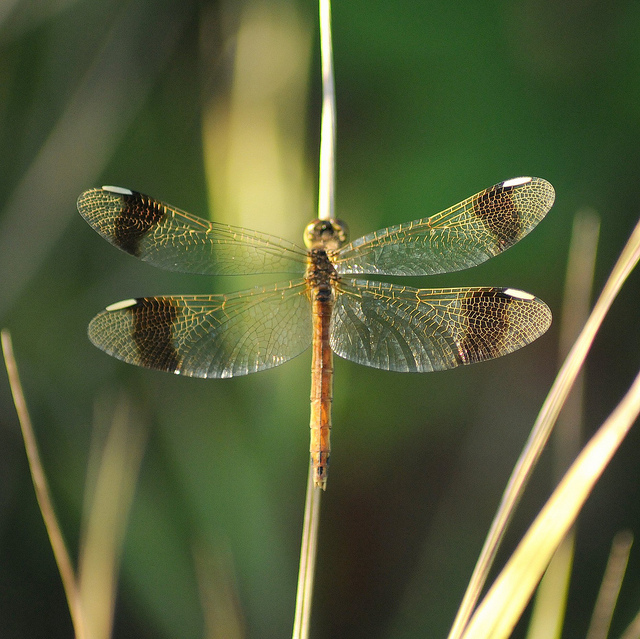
(547, 618)
(105, 516)
(43, 495)
(308, 553)
(500, 610)
(610, 587)
(309, 544)
(90, 593)
(633, 630)
(497, 615)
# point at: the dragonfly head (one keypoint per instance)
(329, 235)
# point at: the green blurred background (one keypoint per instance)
(214, 107)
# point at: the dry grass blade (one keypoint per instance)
(43, 496)
(547, 618)
(542, 428)
(501, 608)
(91, 595)
(610, 588)
(106, 513)
(633, 629)
(308, 554)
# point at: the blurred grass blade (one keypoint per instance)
(91, 596)
(610, 588)
(106, 513)
(112, 89)
(43, 496)
(218, 594)
(576, 303)
(308, 553)
(254, 125)
(547, 618)
(542, 428)
(633, 629)
(504, 603)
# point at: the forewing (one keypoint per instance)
(172, 239)
(208, 335)
(420, 330)
(464, 235)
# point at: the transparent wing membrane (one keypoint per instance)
(208, 335)
(464, 235)
(407, 329)
(382, 325)
(172, 239)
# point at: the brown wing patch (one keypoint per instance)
(140, 331)
(153, 322)
(498, 321)
(487, 326)
(138, 216)
(499, 214)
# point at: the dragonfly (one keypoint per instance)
(328, 306)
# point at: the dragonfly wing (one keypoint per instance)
(208, 335)
(175, 240)
(420, 330)
(464, 235)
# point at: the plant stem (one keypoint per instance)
(328, 127)
(308, 551)
(43, 495)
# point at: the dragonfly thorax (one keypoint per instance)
(329, 235)
(321, 276)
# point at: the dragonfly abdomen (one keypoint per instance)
(321, 276)
(321, 384)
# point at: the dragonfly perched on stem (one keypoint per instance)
(387, 326)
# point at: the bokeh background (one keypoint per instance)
(214, 107)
